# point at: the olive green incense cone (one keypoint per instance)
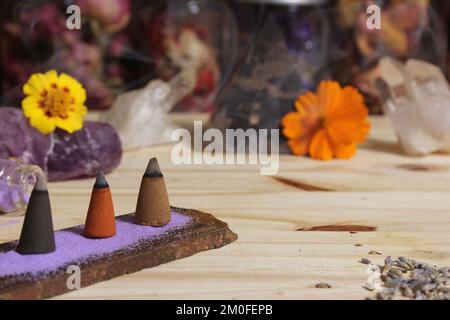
(153, 208)
(37, 236)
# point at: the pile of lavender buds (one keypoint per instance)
(404, 278)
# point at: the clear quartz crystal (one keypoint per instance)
(16, 183)
(141, 116)
(420, 114)
(432, 96)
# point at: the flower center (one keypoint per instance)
(321, 121)
(57, 102)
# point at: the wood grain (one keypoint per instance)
(380, 187)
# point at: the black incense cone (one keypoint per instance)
(153, 208)
(37, 235)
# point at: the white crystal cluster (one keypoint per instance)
(141, 116)
(418, 105)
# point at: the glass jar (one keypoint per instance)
(16, 183)
(410, 29)
(195, 33)
(283, 52)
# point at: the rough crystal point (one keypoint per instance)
(417, 101)
(61, 155)
(141, 116)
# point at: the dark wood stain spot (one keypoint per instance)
(340, 228)
(322, 286)
(299, 185)
(415, 167)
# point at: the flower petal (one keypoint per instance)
(72, 123)
(76, 89)
(300, 146)
(43, 124)
(307, 103)
(51, 76)
(347, 131)
(342, 132)
(320, 147)
(36, 84)
(351, 105)
(344, 151)
(329, 94)
(70, 82)
(31, 108)
(292, 125)
(82, 110)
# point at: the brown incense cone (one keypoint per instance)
(100, 220)
(153, 208)
(37, 236)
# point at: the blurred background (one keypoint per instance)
(253, 57)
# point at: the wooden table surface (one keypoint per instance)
(403, 202)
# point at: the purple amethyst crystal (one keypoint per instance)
(61, 155)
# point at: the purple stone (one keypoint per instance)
(61, 155)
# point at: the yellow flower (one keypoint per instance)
(54, 101)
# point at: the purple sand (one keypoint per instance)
(72, 247)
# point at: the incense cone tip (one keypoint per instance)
(41, 183)
(101, 182)
(153, 169)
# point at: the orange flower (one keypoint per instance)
(327, 124)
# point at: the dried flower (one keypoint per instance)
(112, 15)
(328, 124)
(54, 101)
